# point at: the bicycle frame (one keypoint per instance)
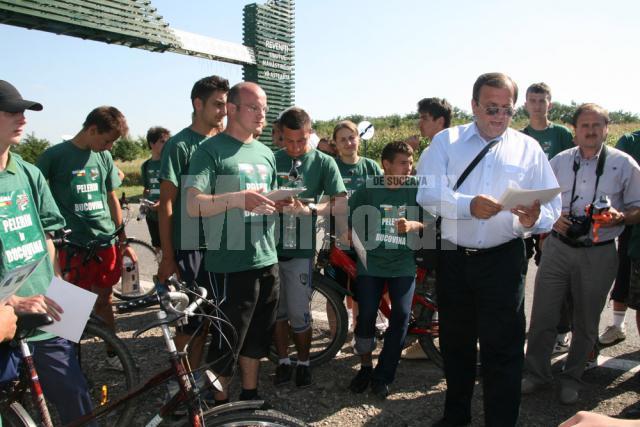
(339, 259)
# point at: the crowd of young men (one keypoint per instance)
(218, 228)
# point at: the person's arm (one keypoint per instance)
(7, 322)
(591, 419)
(436, 196)
(116, 216)
(168, 196)
(53, 256)
(206, 205)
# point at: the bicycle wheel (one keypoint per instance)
(148, 261)
(14, 415)
(107, 382)
(430, 343)
(330, 324)
(250, 417)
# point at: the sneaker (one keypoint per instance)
(283, 374)
(114, 363)
(361, 381)
(592, 362)
(562, 345)
(414, 352)
(303, 376)
(379, 389)
(612, 335)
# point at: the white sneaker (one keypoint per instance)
(612, 335)
(562, 345)
(114, 363)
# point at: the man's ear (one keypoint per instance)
(197, 104)
(440, 123)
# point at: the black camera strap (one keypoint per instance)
(599, 170)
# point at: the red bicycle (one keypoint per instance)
(330, 319)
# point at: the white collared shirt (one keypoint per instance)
(515, 161)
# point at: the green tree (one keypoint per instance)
(126, 150)
(31, 147)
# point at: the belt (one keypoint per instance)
(483, 251)
(577, 243)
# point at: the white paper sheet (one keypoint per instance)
(359, 248)
(283, 193)
(513, 197)
(76, 303)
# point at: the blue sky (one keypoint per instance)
(366, 57)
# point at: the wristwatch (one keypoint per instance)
(313, 207)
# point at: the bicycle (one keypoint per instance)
(175, 307)
(423, 324)
(148, 258)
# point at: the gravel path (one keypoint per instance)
(417, 395)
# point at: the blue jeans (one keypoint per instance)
(369, 292)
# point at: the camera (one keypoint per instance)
(580, 226)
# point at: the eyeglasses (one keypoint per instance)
(492, 111)
(254, 109)
(294, 174)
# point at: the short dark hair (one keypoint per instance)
(541, 87)
(294, 118)
(436, 108)
(396, 147)
(497, 80)
(106, 119)
(590, 106)
(206, 86)
(155, 133)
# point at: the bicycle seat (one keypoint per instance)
(28, 322)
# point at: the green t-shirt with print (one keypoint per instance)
(27, 212)
(319, 174)
(80, 181)
(552, 140)
(150, 172)
(177, 153)
(236, 240)
(356, 175)
(630, 144)
(374, 210)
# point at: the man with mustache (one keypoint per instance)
(575, 259)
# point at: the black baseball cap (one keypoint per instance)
(11, 101)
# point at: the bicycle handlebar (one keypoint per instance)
(178, 302)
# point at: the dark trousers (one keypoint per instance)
(481, 298)
(62, 380)
(369, 291)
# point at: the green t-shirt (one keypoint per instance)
(374, 210)
(176, 155)
(27, 212)
(80, 181)
(150, 172)
(553, 140)
(630, 144)
(236, 240)
(319, 174)
(356, 175)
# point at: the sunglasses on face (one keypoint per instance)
(493, 111)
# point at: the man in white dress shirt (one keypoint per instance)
(480, 282)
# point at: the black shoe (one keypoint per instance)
(447, 423)
(283, 374)
(303, 376)
(361, 381)
(379, 389)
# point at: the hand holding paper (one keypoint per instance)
(513, 197)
